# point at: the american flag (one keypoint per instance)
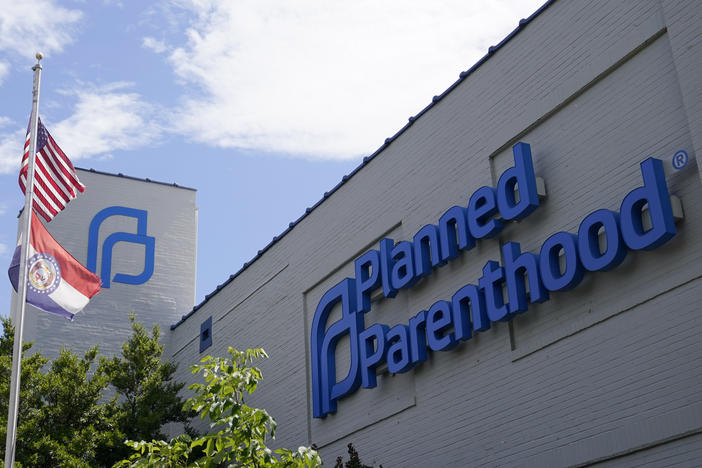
(55, 178)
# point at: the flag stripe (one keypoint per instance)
(39, 209)
(50, 192)
(71, 270)
(40, 196)
(54, 176)
(62, 168)
(68, 169)
(37, 206)
(72, 300)
(41, 199)
(56, 181)
(44, 302)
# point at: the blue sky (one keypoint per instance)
(260, 105)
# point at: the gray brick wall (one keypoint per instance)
(608, 372)
(169, 293)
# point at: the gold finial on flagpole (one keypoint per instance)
(38, 56)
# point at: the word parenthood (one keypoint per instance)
(395, 266)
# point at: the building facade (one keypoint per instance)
(140, 237)
(552, 318)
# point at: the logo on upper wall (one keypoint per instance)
(140, 237)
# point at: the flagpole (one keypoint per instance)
(11, 440)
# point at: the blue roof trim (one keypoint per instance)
(136, 178)
(462, 76)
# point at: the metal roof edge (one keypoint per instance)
(119, 174)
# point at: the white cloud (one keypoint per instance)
(3, 249)
(104, 119)
(36, 25)
(11, 145)
(325, 78)
(4, 69)
(154, 44)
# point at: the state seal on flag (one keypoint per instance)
(44, 273)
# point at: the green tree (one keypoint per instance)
(239, 432)
(30, 396)
(70, 423)
(60, 419)
(147, 396)
(65, 417)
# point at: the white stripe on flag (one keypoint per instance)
(49, 173)
(69, 298)
(66, 296)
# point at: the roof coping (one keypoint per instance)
(119, 174)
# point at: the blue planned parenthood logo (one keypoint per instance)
(472, 309)
(140, 237)
(680, 159)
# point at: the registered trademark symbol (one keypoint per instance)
(680, 159)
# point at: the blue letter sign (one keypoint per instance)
(473, 307)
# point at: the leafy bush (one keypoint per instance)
(239, 431)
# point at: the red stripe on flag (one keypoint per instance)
(43, 204)
(54, 176)
(41, 212)
(38, 205)
(68, 169)
(46, 196)
(75, 274)
(61, 174)
(48, 183)
(41, 196)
